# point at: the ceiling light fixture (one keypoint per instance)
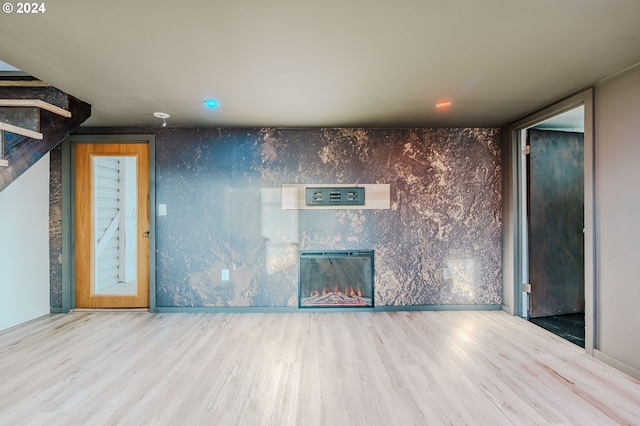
(443, 104)
(164, 117)
(211, 103)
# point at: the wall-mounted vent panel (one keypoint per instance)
(335, 196)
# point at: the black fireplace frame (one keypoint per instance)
(328, 254)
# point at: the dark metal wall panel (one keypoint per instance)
(556, 222)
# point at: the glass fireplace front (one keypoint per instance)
(335, 279)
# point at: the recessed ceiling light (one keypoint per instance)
(211, 103)
(443, 104)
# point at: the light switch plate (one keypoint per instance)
(162, 209)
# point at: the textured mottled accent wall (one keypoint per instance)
(440, 243)
(55, 227)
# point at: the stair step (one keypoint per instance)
(20, 152)
(23, 83)
(20, 131)
(35, 103)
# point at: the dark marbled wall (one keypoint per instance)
(55, 227)
(439, 244)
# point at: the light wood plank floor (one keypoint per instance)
(352, 368)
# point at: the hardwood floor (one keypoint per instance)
(353, 368)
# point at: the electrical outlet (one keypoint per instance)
(224, 275)
(334, 196)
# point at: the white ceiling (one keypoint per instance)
(322, 63)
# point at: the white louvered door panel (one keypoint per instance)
(107, 222)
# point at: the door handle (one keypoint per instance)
(146, 234)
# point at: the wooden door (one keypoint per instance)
(112, 225)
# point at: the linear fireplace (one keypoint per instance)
(335, 279)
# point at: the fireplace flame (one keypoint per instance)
(345, 295)
(349, 291)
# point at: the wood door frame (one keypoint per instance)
(68, 211)
(515, 261)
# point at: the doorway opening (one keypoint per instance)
(555, 224)
(553, 234)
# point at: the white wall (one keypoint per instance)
(617, 212)
(24, 247)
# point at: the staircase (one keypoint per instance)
(34, 118)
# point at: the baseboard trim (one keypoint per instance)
(507, 309)
(440, 308)
(619, 365)
(289, 309)
(224, 309)
(110, 310)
